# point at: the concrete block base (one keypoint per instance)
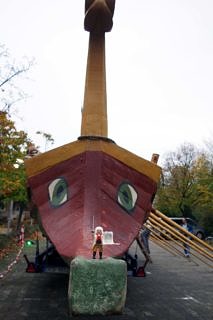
(97, 286)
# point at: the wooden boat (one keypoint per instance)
(92, 181)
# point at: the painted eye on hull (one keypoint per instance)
(127, 196)
(58, 192)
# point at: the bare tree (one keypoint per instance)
(10, 72)
(48, 138)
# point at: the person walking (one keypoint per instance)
(186, 246)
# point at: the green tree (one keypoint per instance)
(13, 147)
(175, 195)
(204, 190)
(186, 187)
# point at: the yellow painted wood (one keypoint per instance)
(94, 112)
(46, 160)
(175, 233)
(141, 165)
(176, 226)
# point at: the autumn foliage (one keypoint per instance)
(13, 146)
(186, 187)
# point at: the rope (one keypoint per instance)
(10, 266)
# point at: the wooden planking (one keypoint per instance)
(44, 161)
(48, 159)
(92, 201)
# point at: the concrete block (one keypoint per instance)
(97, 286)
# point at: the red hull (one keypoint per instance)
(93, 181)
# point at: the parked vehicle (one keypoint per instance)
(197, 230)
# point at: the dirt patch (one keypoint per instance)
(9, 241)
(8, 245)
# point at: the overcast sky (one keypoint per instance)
(159, 60)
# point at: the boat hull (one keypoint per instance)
(92, 188)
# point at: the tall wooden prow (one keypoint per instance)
(98, 20)
(93, 182)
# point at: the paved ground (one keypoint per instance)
(173, 289)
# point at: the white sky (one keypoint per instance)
(159, 60)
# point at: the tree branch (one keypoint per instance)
(14, 75)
